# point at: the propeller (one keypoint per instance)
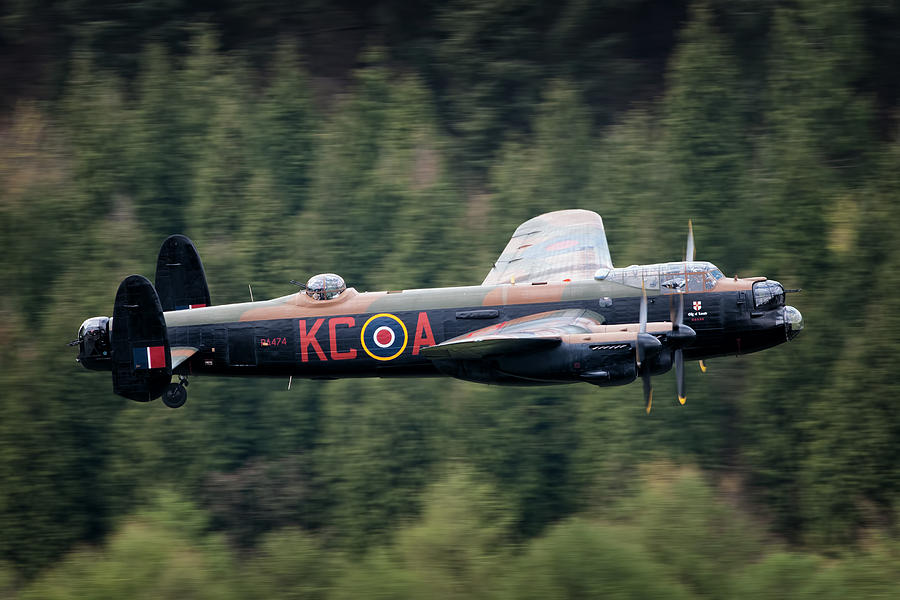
(682, 335)
(689, 254)
(646, 346)
(690, 251)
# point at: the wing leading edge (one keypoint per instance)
(565, 244)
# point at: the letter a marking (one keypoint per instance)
(424, 337)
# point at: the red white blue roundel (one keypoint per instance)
(383, 337)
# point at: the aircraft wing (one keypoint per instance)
(566, 244)
(534, 332)
(181, 354)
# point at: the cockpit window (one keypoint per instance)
(325, 286)
(695, 282)
(672, 277)
(768, 294)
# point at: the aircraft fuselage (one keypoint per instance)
(381, 334)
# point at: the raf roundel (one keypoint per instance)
(384, 337)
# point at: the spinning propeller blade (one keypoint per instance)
(679, 374)
(678, 317)
(643, 318)
(689, 254)
(689, 251)
(680, 332)
(639, 353)
(645, 339)
(681, 335)
(648, 392)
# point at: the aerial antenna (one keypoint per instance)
(249, 287)
(302, 286)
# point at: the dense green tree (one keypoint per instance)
(525, 443)
(157, 554)
(284, 135)
(550, 171)
(705, 132)
(289, 564)
(584, 560)
(378, 448)
(159, 155)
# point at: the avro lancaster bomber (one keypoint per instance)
(552, 310)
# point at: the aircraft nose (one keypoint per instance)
(793, 321)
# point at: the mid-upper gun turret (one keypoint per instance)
(325, 286)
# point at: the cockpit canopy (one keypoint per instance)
(669, 278)
(325, 286)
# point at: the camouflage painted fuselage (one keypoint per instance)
(382, 334)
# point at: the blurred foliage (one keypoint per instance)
(400, 146)
(460, 547)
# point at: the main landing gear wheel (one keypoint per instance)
(175, 395)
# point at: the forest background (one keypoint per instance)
(400, 144)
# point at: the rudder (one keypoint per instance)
(180, 278)
(141, 357)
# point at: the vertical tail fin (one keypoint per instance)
(141, 357)
(180, 278)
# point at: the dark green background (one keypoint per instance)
(400, 145)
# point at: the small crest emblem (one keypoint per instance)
(697, 305)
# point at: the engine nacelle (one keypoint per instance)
(608, 364)
(553, 365)
(661, 363)
(600, 364)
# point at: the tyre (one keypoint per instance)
(175, 395)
